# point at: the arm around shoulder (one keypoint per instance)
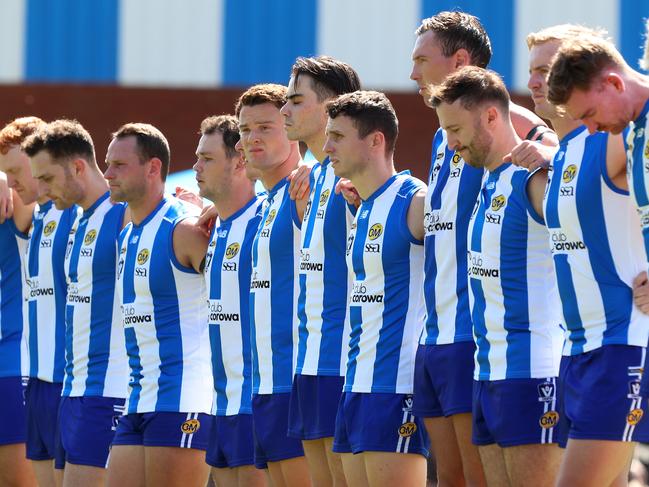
(190, 244)
(415, 216)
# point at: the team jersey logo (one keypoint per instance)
(407, 429)
(190, 426)
(646, 149)
(375, 231)
(498, 202)
(232, 250)
(569, 173)
(271, 217)
(634, 416)
(456, 159)
(549, 420)
(90, 237)
(142, 256)
(49, 228)
(324, 197)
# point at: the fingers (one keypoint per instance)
(299, 186)
(640, 279)
(641, 292)
(530, 155)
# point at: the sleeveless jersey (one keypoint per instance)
(596, 245)
(386, 307)
(453, 188)
(514, 300)
(165, 318)
(47, 290)
(13, 353)
(227, 273)
(274, 292)
(95, 355)
(324, 280)
(638, 170)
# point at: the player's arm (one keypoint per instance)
(415, 216)
(190, 244)
(300, 205)
(616, 161)
(530, 126)
(535, 188)
(531, 155)
(6, 199)
(22, 213)
(641, 292)
(300, 181)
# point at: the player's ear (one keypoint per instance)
(615, 80)
(462, 58)
(491, 114)
(79, 166)
(155, 167)
(377, 139)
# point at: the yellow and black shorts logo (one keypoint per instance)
(232, 250)
(375, 231)
(90, 237)
(190, 426)
(634, 417)
(549, 420)
(142, 256)
(49, 228)
(407, 429)
(498, 202)
(569, 173)
(324, 197)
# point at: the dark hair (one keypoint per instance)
(329, 77)
(260, 94)
(16, 131)
(459, 30)
(228, 127)
(61, 139)
(472, 86)
(150, 143)
(370, 111)
(576, 65)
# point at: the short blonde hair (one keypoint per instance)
(563, 32)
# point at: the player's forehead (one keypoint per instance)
(210, 143)
(541, 54)
(426, 44)
(455, 114)
(259, 114)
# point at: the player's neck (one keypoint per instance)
(562, 126)
(143, 207)
(96, 187)
(273, 176)
(316, 144)
(638, 90)
(503, 144)
(373, 177)
(239, 197)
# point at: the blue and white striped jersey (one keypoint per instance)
(386, 307)
(165, 318)
(596, 245)
(13, 351)
(513, 290)
(273, 293)
(453, 188)
(324, 280)
(95, 355)
(638, 171)
(228, 267)
(47, 290)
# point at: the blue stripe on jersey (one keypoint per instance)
(170, 351)
(356, 319)
(11, 299)
(256, 376)
(614, 296)
(449, 207)
(515, 298)
(218, 367)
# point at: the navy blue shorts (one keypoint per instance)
(600, 395)
(443, 383)
(182, 430)
(42, 401)
(515, 412)
(13, 427)
(270, 424)
(313, 407)
(379, 422)
(231, 442)
(644, 383)
(87, 426)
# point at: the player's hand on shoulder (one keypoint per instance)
(189, 197)
(531, 155)
(6, 199)
(300, 181)
(641, 292)
(207, 219)
(347, 189)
